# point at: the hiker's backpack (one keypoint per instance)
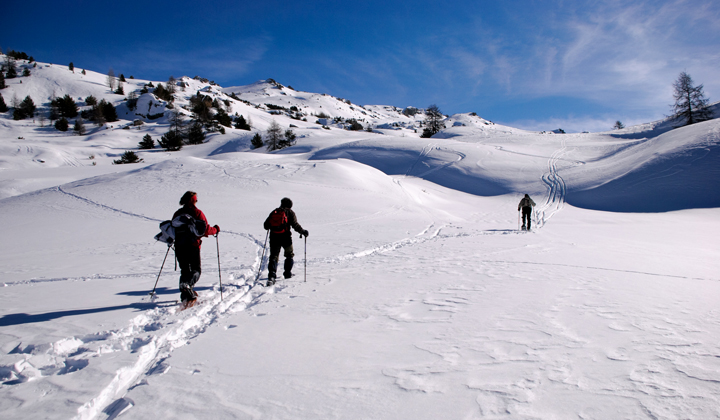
(182, 230)
(167, 233)
(278, 221)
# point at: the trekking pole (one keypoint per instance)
(217, 242)
(262, 256)
(306, 259)
(518, 220)
(152, 294)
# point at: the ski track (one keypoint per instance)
(179, 328)
(557, 190)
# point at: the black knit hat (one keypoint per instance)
(286, 203)
(187, 197)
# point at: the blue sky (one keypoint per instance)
(579, 65)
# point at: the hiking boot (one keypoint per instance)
(270, 282)
(287, 275)
(186, 292)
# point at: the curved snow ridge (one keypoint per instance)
(180, 329)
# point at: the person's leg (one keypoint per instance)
(289, 254)
(529, 219)
(188, 275)
(275, 246)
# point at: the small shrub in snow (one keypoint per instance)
(79, 127)
(62, 124)
(128, 157)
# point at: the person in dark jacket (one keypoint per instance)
(279, 223)
(187, 247)
(526, 205)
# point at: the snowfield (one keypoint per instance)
(415, 295)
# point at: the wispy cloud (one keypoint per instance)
(221, 62)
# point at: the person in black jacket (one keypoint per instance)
(279, 223)
(526, 205)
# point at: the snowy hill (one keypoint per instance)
(415, 296)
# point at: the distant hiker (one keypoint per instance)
(187, 244)
(526, 205)
(279, 223)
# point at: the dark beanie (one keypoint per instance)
(286, 203)
(186, 197)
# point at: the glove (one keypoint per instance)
(306, 233)
(217, 228)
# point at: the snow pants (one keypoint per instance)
(278, 242)
(527, 216)
(188, 258)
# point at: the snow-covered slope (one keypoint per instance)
(415, 295)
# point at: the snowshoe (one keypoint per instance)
(185, 304)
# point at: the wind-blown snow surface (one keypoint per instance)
(422, 299)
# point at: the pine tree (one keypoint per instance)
(62, 124)
(274, 135)
(3, 106)
(171, 141)
(196, 134)
(241, 124)
(108, 111)
(618, 125)
(257, 141)
(2, 80)
(26, 72)
(120, 90)
(25, 109)
(223, 118)
(64, 107)
(132, 99)
(147, 142)
(10, 70)
(433, 121)
(71, 66)
(288, 140)
(690, 106)
(111, 79)
(79, 127)
(177, 123)
(122, 77)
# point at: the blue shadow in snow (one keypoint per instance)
(24, 318)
